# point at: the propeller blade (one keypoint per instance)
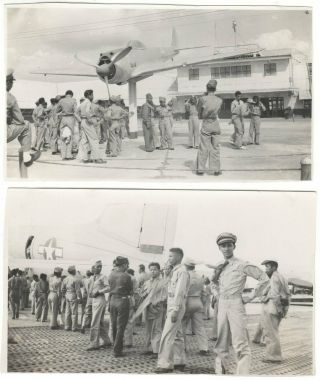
(84, 62)
(121, 54)
(107, 83)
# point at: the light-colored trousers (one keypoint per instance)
(154, 332)
(89, 141)
(165, 127)
(40, 131)
(53, 302)
(207, 307)
(71, 316)
(54, 139)
(254, 131)
(99, 326)
(194, 131)
(209, 149)
(232, 327)
(237, 136)
(155, 134)
(195, 314)
(87, 317)
(215, 321)
(115, 138)
(270, 324)
(33, 303)
(22, 132)
(172, 348)
(42, 307)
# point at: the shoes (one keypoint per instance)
(54, 327)
(271, 361)
(214, 339)
(189, 147)
(179, 367)
(196, 147)
(92, 348)
(128, 345)
(67, 329)
(171, 148)
(147, 353)
(106, 345)
(34, 157)
(255, 342)
(83, 330)
(53, 153)
(204, 352)
(242, 147)
(257, 143)
(163, 370)
(199, 173)
(100, 161)
(216, 174)
(119, 355)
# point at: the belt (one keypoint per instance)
(230, 296)
(118, 296)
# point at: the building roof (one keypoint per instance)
(300, 283)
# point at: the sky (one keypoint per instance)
(47, 37)
(269, 225)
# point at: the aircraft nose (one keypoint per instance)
(103, 70)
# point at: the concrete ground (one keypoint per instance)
(40, 349)
(283, 144)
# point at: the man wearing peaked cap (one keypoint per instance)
(87, 317)
(275, 304)
(165, 125)
(71, 290)
(149, 126)
(195, 307)
(17, 127)
(54, 298)
(238, 110)
(231, 311)
(209, 149)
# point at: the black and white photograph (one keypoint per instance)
(142, 282)
(150, 93)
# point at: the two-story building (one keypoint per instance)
(281, 78)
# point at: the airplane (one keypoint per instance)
(136, 62)
(143, 233)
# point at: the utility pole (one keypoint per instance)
(234, 27)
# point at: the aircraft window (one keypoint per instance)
(136, 44)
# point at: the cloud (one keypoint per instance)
(282, 39)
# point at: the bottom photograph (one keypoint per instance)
(135, 281)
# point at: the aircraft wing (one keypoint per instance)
(45, 73)
(147, 70)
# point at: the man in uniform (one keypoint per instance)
(87, 301)
(40, 120)
(66, 109)
(120, 291)
(71, 290)
(255, 110)
(172, 349)
(238, 111)
(54, 138)
(195, 308)
(193, 122)
(97, 287)
(24, 290)
(14, 292)
(151, 137)
(35, 280)
(42, 291)
(55, 297)
(17, 127)
(208, 107)
(165, 125)
(89, 141)
(231, 310)
(275, 299)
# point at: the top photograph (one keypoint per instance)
(157, 94)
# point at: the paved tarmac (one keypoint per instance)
(40, 349)
(283, 144)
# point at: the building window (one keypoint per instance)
(241, 71)
(215, 72)
(193, 74)
(224, 72)
(270, 69)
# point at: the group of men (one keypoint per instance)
(170, 300)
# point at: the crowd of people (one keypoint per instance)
(171, 302)
(77, 131)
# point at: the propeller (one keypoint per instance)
(104, 70)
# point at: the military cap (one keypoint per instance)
(10, 73)
(272, 262)
(99, 262)
(212, 84)
(113, 98)
(58, 270)
(162, 99)
(225, 237)
(71, 268)
(120, 260)
(58, 97)
(41, 101)
(189, 262)
(149, 95)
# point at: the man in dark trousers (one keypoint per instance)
(120, 291)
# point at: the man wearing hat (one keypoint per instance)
(97, 287)
(238, 111)
(231, 310)
(89, 141)
(172, 353)
(275, 300)
(71, 290)
(193, 122)
(121, 289)
(209, 149)
(54, 138)
(165, 125)
(87, 301)
(255, 110)
(42, 291)
(151, 138)
(195, 307)
(17, 127)
(54, 298)
(114, 114)
(40, 118)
